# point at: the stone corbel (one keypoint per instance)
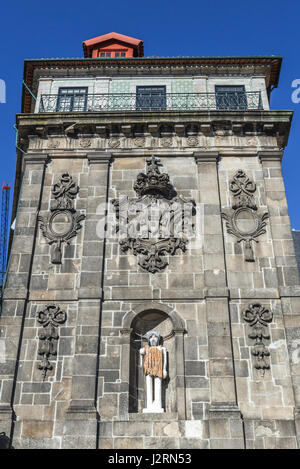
(101, 130)
(179, 130)
(268, 128)
(237, 128)
(127, 130)
(153, 129)
(205, 128)
(41, 131)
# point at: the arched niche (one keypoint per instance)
(167, 322)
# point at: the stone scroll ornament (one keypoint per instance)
(50, 318)
(244, 222)
(155, 223)
(258, 318)
(64, 221)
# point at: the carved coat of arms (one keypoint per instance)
(157, 222)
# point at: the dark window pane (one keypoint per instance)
(231, 97)
(150, 98)
(102, 54)
(108, 54)
(71, 99)
(117, 54)
(123, 54)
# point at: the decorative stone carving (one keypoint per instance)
(64, 221)
(155, 370)
(114, 142)
(153, 182)
(192, 141)
(85, 142)
(50, 318)
(258, 318)
(250, 141)
(166, 142)
(64, 192)
(244, 222)
(139, 142)
(155, 223)
(54, 143)
(151, 259)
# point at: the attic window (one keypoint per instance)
(111, 54)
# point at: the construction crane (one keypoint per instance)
(4, 230)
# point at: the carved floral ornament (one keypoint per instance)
(258, 317)
(244, 222)
(63, 222)
(50, 318)
(157, 222)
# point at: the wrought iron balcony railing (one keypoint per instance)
(152, 102)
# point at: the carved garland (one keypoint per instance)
(258, 318)
(244, 208)
(50, 318)
(64, 221)
(154, 192)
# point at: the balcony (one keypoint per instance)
(83, 102)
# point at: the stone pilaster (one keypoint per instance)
(82, 409)
(283, 245)
(223, 412)
(285, 260)
(17, 281)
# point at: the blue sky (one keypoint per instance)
(36, 29)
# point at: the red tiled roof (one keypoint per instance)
(135, 43)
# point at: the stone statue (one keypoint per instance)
(155, 370)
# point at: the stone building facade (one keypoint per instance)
(78, 300)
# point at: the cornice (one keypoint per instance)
(158, 124)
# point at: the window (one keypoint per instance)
(111, 54)
(231, 97)
(72, 99)
(104, 54)
(150, 98)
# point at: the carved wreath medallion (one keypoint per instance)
(153, 224)
(244, 222)
(85, 142)
(114, 142)
(63, 222)
(192, 141)
(166, 142)
(50, 318)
